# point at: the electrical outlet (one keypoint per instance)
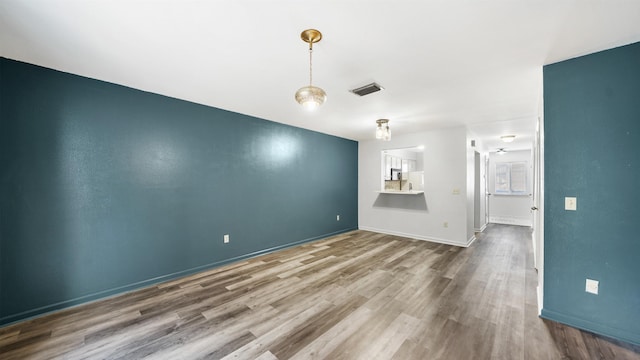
(570, 203)
(445, 224)
(455, 191)
(592, 286)
(337, 217)
(225, 238)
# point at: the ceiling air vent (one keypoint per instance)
(367, 89)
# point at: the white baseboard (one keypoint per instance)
(420, 237)
(481, 229)
(510, 220)
(470, 241)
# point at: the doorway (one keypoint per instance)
(477, 198)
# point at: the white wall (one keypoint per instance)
(510, 209)
(445, 162)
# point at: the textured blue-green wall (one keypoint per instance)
(104, 188)
(592, 151)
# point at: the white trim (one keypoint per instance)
(511, 220)
(481, 229)
(540, 229)
(419, 237)
(471, 240)
(539, 293)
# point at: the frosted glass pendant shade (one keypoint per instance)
(311, 97)
(387, 134)
(379, 132)
(383, 132)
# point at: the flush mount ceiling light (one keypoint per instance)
(311, 97)
(507, 138)
(383, 132)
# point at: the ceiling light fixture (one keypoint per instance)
(508, 138)
(501, 151)
(311, 97)
(383, 132)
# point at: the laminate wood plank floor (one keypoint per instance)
(358, 295)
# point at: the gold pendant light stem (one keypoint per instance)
(310, 64)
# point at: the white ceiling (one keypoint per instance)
(442, 63)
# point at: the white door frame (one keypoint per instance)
(538, 214)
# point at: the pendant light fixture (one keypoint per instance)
(311, 97)
(383, 132)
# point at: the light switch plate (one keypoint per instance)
(571, 203)
(592, 286)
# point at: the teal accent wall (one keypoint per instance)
(105, 188)
(592, 152)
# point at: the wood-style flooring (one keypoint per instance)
(359, 295)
